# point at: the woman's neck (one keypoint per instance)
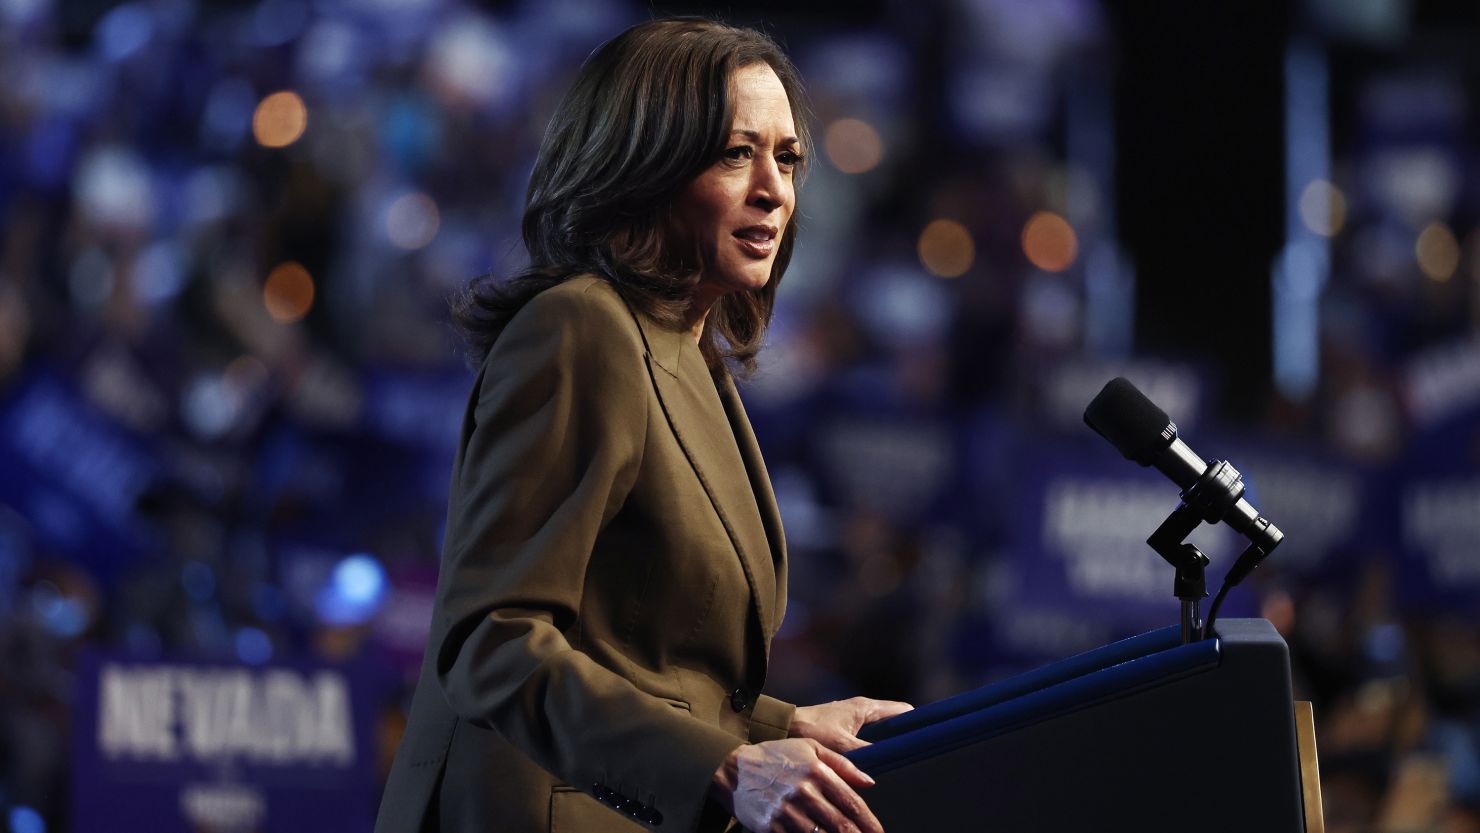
(700, 303)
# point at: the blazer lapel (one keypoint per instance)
(760, 485)
(696, 416)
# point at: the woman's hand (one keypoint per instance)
(794, 786)
(836, 724)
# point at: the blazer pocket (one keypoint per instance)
(572, 811)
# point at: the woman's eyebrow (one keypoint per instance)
(756, 137)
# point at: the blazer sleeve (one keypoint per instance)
(771, 719)
(560, 423)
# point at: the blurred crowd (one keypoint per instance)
(229, 391)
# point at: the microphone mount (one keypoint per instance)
(1207, 499)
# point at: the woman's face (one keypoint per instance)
(735, 212)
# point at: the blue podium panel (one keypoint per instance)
(1142, 735)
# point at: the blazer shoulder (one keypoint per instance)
(586, 309)
(580, 327)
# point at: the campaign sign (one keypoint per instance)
(1323, 504)
(183, 746)
(74, 473)
(422, 409)
(1441, 525)
(1084, 514)
(1438, 508)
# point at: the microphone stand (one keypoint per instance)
(1218, 489)
(1191, 583)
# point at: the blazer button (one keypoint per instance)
(740, 700)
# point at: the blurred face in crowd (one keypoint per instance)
(734, 214)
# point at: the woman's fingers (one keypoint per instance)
(883, 709)
(837, 778)
(792, 819)
(788, 786)
(845, 768)
(841, 741)
(811, 807)
(826, 813)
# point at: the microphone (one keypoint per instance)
(1144, 433)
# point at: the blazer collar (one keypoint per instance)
(730, 469)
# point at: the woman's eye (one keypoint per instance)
(789, 158)
(738, 152)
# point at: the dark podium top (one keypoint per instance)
(1145, 734)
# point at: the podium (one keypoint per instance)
(1144, 735)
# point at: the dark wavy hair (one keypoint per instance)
(649, 112)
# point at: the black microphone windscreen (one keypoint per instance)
(1131, 422)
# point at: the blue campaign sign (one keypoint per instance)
(74, 473)
(1438, 509)
(347, 487)
(1084, 514)
(183, 746)
(1325, 505)
(1441, 525)
(422, 409)
(877, 453)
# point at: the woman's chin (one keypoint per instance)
(751, 278)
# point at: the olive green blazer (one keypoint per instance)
(613, 572)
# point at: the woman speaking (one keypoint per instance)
(614, 566)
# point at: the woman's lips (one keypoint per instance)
(757, 241)
(756, 248)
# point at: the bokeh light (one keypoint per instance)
(124, 31)
(289, 292)
(946, 248)
(1049, 242)
(411, 221)
(62, 614)
(115, 188)
(253, 645)
(853, 146)
(23, 819)
(1323, 208)
(280, 119)
(354, 591)
(1437, 251)
(472, 61)
(158, 273)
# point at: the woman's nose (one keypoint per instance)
(766, 186)
(765, 193)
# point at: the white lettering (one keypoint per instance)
(277, 716)
(222, 807)
(136, 711)
(1442, 520)
(335, 737)
(1099, 528)
(1443, 381)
